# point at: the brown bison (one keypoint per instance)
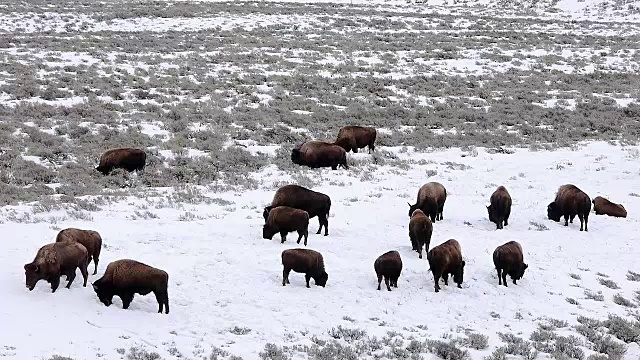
(570, 201)
(317, 154)
(122, 158)
(508, 260)
(446, 259)
(124, 278)
(57, 259)
(603, 206)
(500, 207)
(283, 220)
(389, 266)
(295, 196)
(352, 138)
(305, 261)
(89, 238)
(431, 198)
(420, 230)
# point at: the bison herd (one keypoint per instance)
(290, 210)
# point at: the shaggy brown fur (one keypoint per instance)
(124, 278)
(55, 260)
(446, 259)
(305, 261)
(316, 154)
(283, 220)
(122, 158)
(500, 207)
(603, 206)
(420, 230)
(431, 198)
(570, 201)
(313, 202)
(352, 138)
(508, 260)
(89, 238)
(389, 266)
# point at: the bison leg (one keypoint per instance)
(372, 147)
(586, 221)
(379, 280)
(566, 220)
(436, 279)
(307, 277)
(285, 276)
(386, 282)
(127, 298)
(283, 236)
(55, 282)
(504, 278)
(571, 218)
(395, 281)
(162, 299)
(71, 276)
(85, 273)
(420, 251)
(95, 262)
(334, 167)
(306, 236)
(499, 276)
(323, 222)
(514, 281)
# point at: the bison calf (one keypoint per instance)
(122, 158)
(89, 238)
(296, 196)
(508, 260)
(569, 202)
(420, 230)
(305, 261)
(55, 260)
(500, 207)
(124, 278)
(283, 220)
(352, 138)
(446, 259)
(603, 206)
(431, 199)
(389, 266)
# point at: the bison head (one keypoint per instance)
(552, 212)
(265, 213)
(321, 279)
(521, 272)
(412, 208)
(33, 273)
(296, 156)
(104, 292)
(103, 169)
(268, 232)
(458, 275)
(491, 212)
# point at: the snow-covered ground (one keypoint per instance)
(224, 275)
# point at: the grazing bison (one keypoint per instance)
(570, 201)
(57, 259)
(305, 261)
(420, 230)
(508, 260)
(122, 158)
(283, 220)
(89, 238)
(431, 198)
(603, 206)
(389, 266)
(295, 196)
(500, 207)
(317, 154)
(446, 259)
(124, 278)
(352, 138)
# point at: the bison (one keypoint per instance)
(283, 220)
(603, 206)
(124, 278)
(508, 260)
(446, 259)
(57, 259)
(122, 158)
(295, 196)
(352, 138)
(431, 198)
(389, 266)
(420, 230)
(317, 154)
(305, 261)
(569, 202)
(500, 207)
(89, 238)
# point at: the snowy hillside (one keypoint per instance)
(473, 94)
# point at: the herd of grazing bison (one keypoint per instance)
(290, 210)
